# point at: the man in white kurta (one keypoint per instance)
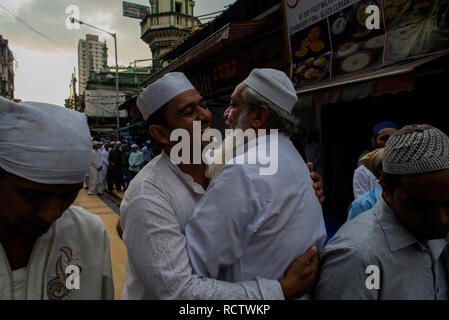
(77, 238)
(104, 166)
(95, 167)
(250, 224)
(49, 249)
(157, 205)
(135, 160)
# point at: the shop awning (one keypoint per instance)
(389, 79)
(226, 36)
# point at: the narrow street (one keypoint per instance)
(110, 218)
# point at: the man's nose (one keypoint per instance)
(50, 210)
(226, 113)
(204, 115)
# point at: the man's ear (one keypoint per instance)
(259, 116)
(160, 133)
(386, 192)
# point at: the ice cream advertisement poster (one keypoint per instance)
(328, 38)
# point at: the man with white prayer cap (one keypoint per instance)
(251, 224)
(95, 166)
(160, 200)
(135, 160)
(397, 250)
(46, 244)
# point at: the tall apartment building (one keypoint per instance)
(6, 70)
(92, 56)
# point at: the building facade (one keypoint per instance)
(168, 25)
(100, 95)
(6, 70)
(92, 56)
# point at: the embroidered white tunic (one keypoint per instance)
(250, 225)
(153, 214)
(77, 238)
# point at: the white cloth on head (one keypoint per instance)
(273, 85)
(244, 227)
(77, 238)
(363, 181)
(44, 143)
(162, 91)
(153, 214)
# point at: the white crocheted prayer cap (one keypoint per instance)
(416, 149)
(275, 86)
(44, 143)
(162, 91)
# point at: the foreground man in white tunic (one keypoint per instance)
(48, 249)
(161, 199)
(251, 224)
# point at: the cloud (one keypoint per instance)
(46, 81)
(35, 52)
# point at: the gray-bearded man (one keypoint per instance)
(254, 222)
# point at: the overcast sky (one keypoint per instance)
(45, 61)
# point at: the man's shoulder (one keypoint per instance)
(152, 178)
(362, 234)
(78, 221)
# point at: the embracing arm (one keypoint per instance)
(157, 250)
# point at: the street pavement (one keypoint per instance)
(95, 205)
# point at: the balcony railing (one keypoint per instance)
(167, 20)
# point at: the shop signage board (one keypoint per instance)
(328, 38)
(133, 10)
(103, 104)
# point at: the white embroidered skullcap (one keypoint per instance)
(44, 143)
(118, 142)
(275, 86)
(162, 91)
(416, 149)
(134, 146)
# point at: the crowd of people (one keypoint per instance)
(114, 164)
(226, 233)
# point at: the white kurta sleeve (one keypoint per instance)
(107, 289)
(223, 222)
(157, 250)
(360, 182)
